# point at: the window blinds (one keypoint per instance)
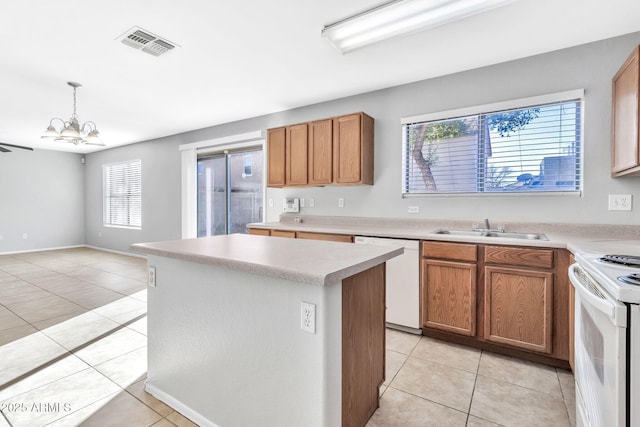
(533, 149)
(123, 194)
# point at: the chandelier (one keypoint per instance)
(71, 131)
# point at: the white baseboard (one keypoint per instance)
(97, 248)
(113, 251)
(194, 416)
(42, 250)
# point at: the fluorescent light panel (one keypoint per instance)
(401, 17)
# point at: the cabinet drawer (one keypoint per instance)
(455, 251)
(325, 236)
(259, 231)
(283, 233)
(526, 257)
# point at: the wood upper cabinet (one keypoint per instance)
(276, 157)
(353, 149)
(331, 151)
(296, 155)
(448, 287)
(321, 152)
(625, 153)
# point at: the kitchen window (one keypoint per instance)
(122, 189)
(530, 145)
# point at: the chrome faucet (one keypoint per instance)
(487, 227)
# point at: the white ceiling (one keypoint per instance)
(243, 59)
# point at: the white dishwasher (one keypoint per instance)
(403, 288)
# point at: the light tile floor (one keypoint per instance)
(434, 383)
(73, 352)
(73, 345)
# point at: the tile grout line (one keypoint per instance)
(69, 352)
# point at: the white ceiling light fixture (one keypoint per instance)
(71, 131)
(401, 17)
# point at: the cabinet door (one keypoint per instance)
(348, 154)
(625, 155)
(518, 308)
(276, 157)
(296, 155)
(321, 152)
(449, 296)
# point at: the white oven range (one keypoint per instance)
(607, 339)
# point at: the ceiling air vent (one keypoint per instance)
(146, 41)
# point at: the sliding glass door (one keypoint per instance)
(230, 191)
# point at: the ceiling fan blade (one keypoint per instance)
(4, 150)
(15, 146)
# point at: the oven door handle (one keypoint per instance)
(603, 303)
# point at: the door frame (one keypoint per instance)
(189, 171)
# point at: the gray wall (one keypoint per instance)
(42, 195)
(589, 66)
(161, 196)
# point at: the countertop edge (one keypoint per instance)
(294, 275)
(576, 238)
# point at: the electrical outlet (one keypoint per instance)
(308, 317)
(341, 202)
(413, 209)
(151, 276)
(619, 202)
(312, 203)
(25, 236)
(270, 203)
(1, 237)
(302, 202)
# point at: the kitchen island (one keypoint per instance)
(252, 330)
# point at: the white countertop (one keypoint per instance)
(306, 261)
(601, 238)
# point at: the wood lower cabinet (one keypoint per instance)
(363, 344)
(449, 296)
(519, 297)
(518, 308)
(448, 287)
(302, 235)
(508, 299)
(283, 233)
(260, 231)
(325, 236)
(625, 126)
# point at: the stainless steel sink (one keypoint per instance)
(503, 235)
